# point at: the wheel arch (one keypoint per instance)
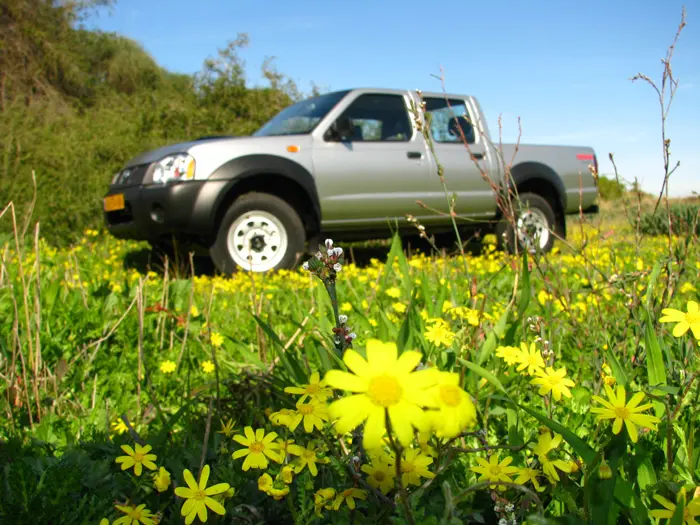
(270, 174)
(540, 179)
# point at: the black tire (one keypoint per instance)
(533, 206)
(268, 214)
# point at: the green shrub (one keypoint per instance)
(610, 189)
(685, 219)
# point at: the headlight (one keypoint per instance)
(173, 167)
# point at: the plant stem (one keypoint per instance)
(398, 449)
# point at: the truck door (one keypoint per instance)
(377, 173)
(449, 115)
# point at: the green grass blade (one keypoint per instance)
(485, 374)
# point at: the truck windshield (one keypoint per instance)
(301, 117)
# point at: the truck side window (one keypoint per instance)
(446, 120)
(379, 118)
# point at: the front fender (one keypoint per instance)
(236, 172)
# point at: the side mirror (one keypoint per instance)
(342, 129)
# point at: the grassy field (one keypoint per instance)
(105, 352)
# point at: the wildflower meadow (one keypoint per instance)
(542, 388)
(374, 383)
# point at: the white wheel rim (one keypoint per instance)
(257, 241)
(533, 229)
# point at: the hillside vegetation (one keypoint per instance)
(75, 104)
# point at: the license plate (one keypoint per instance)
(114, 202)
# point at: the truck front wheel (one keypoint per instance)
(535, 226)
(259, 232)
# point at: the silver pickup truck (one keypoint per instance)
(351, 165)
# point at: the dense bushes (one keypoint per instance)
(76, 104)
(610, 189)
(685, 218)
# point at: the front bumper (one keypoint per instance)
(155, 211)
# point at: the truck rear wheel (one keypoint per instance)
(259, 232)
(535, 226)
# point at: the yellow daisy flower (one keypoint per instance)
(307, 458)
(492, 470)
(167, 367)
(315, 388)
(439, 334)
(259, 447)
(161, 480)
(348, 496)
(545, 445)
(384, 382)
(510, 354)
(380, 475)
(530, 359)
(529, 474)
(199, 496)
(689, 320)
(414, 465)
(138, 458)
(314, 414)
(690, 512)
(554, 381)
(454, 406)
(134, 515)
(629, 414)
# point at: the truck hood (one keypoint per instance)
(158, 153)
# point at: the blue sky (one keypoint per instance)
(564, 68)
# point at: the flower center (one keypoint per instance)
(200, 495)
(495, 470)
(622, 412)
(256, 447)
(312, 389)
(306, 409)
(449, 394)
(384, 390)
(553, 380)
(138, 457)
(407, 466)
(379, 475)
(692, 318)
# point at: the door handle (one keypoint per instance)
(478, 156)
(414, 154)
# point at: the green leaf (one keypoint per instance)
(485, 374)
(405, 339)
(617, 370)
(290, 363)
(493, 338)
(630, 503)
(656, 371)
(646, 475)
(525, 289)
(396, 254)
(678, 517)
(580, 447)
(652, 282)
(515, 436)
(599, 492)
